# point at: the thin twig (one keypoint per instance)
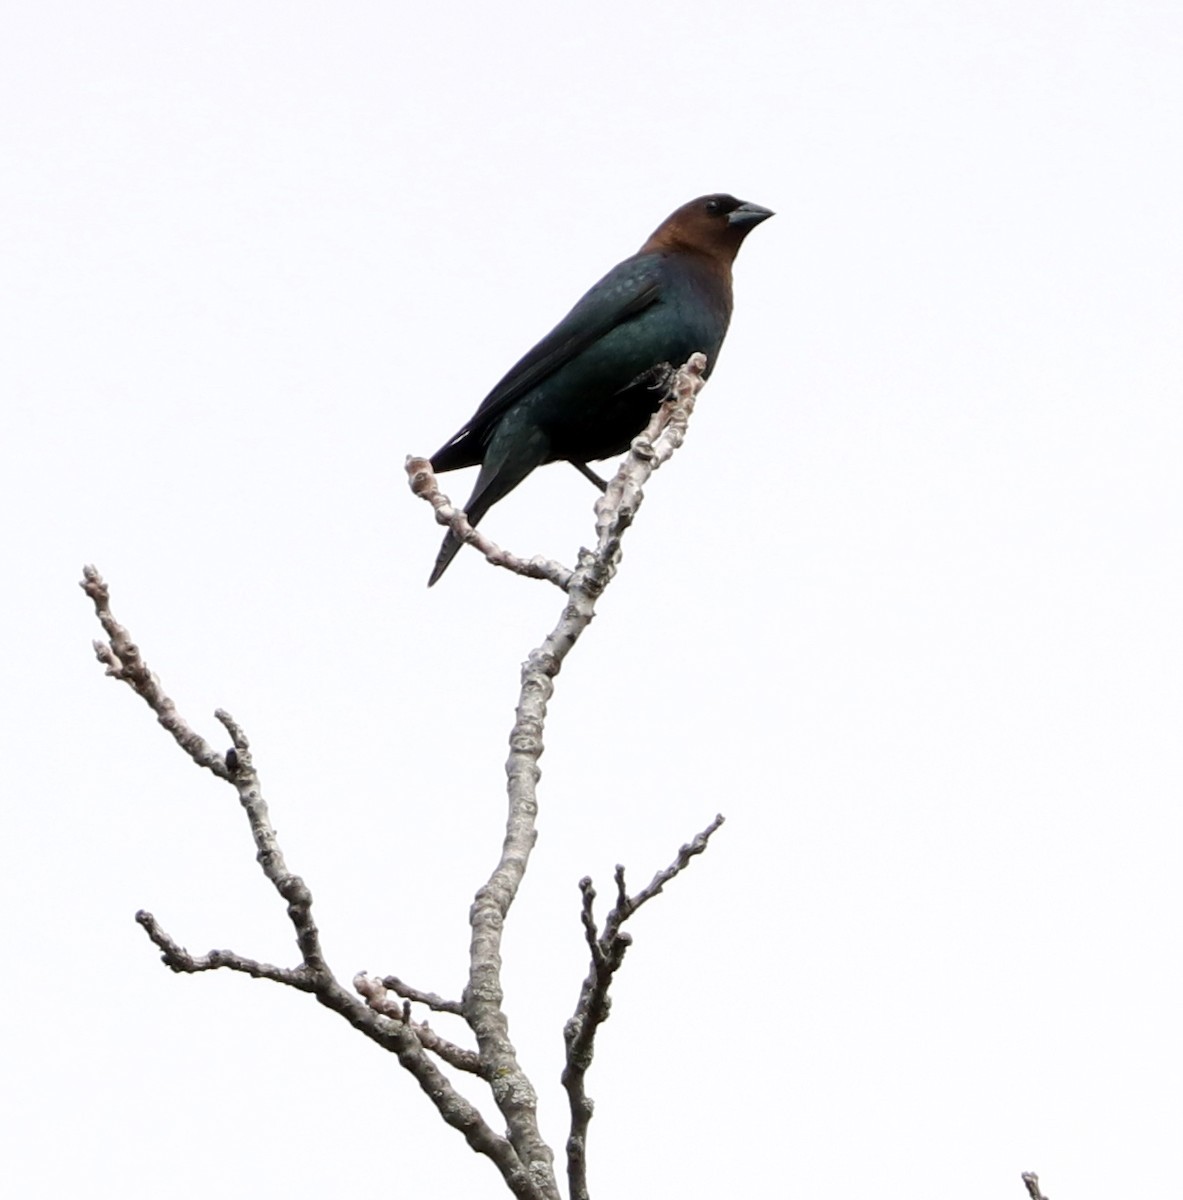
(377, 997)
(1032, 1182)
(627, 905)
(453, 1055)
(425, 485)
(268, 853)
(434, 1002)
(121, 656)
(178, 959)
(594, 1004)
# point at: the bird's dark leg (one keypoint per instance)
(588, 473)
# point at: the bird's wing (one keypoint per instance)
(629, 288)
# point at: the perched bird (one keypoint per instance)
(591, 385)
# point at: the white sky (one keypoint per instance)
(906, 608)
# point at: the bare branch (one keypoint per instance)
(121, 656)
(1032, 1182)
(615, 511)
(378, 999)
(627, 905)
(665, 433)
(123, 661)
(587, 916)
(425, 485)
(434, 1002)
(268, 853)
(594, 1004)
(400, 1037)
(453, 1055)
(178, 959)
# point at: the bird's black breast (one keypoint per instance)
(594, 406)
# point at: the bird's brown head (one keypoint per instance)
(715, 225)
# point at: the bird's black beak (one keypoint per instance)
(748, 216)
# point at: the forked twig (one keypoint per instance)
(594, 1004)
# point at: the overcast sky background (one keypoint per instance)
(906, 608)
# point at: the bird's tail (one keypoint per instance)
(499, 476)
(448, 551)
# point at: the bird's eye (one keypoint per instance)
(713, 207)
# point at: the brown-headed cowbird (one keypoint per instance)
(591, 385)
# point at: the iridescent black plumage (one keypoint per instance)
(589, 387)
